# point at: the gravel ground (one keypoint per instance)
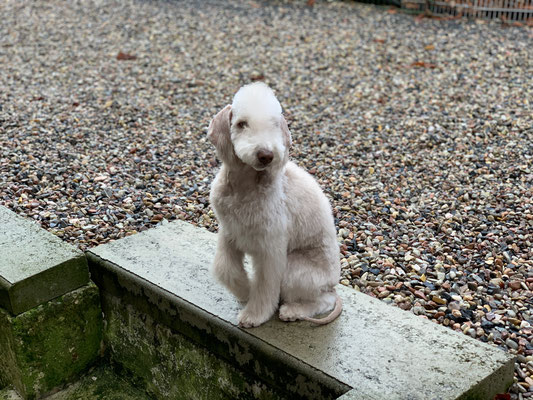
(420, 131)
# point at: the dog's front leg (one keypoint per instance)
(265, 290)
(228, 268)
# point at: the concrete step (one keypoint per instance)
(35, 265)
(50, 316)
(101, 383)
(50, 345)
(372, 351)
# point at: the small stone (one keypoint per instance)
(521, 358)
(511, 343)
(344, 233)
(520, 388)
(419, 310)
(157, 218)
(420, 294)
(497, 282)
(438, 300)
(529, 366)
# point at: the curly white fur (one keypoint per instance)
(274, 211)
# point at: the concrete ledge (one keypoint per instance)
(130, 303)
(35, 265)
(379, 351)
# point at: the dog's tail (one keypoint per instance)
(332, 315)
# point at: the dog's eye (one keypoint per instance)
(242, 124)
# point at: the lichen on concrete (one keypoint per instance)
(9, 394)
(101, 383)
(169, 365)
(53, 343)
(9, 372)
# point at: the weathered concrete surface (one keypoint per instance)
(9, 394)
(169, 365)
(50, 345)
(266, 371)
(35, 265)
(379, 350)
(101, 383)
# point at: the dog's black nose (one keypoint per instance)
(265, 157)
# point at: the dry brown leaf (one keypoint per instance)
(125, 56)
(504, 396)
(423, 64)
(257, 77)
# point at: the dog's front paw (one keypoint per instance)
(248, 319)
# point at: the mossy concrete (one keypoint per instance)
(9, 394)
(379, 350)
(169, 365)
(220, 359)
(35, 265)
(50, 345)
(101, 383)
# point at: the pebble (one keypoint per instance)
(512, 344)
(414, 160)
(438, 300)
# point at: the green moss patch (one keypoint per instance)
(103, 384)
(51, 344)
(169, 365)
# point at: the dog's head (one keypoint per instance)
(252, 129)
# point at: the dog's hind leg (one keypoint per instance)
(308, 286)
(228, 268)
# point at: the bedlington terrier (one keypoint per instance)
(275, 212)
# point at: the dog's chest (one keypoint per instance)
(251, 219)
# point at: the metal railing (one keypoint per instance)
(506, 10)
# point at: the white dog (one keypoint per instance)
(274, 211)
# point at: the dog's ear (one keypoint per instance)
(286, 133)
(219, 128)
